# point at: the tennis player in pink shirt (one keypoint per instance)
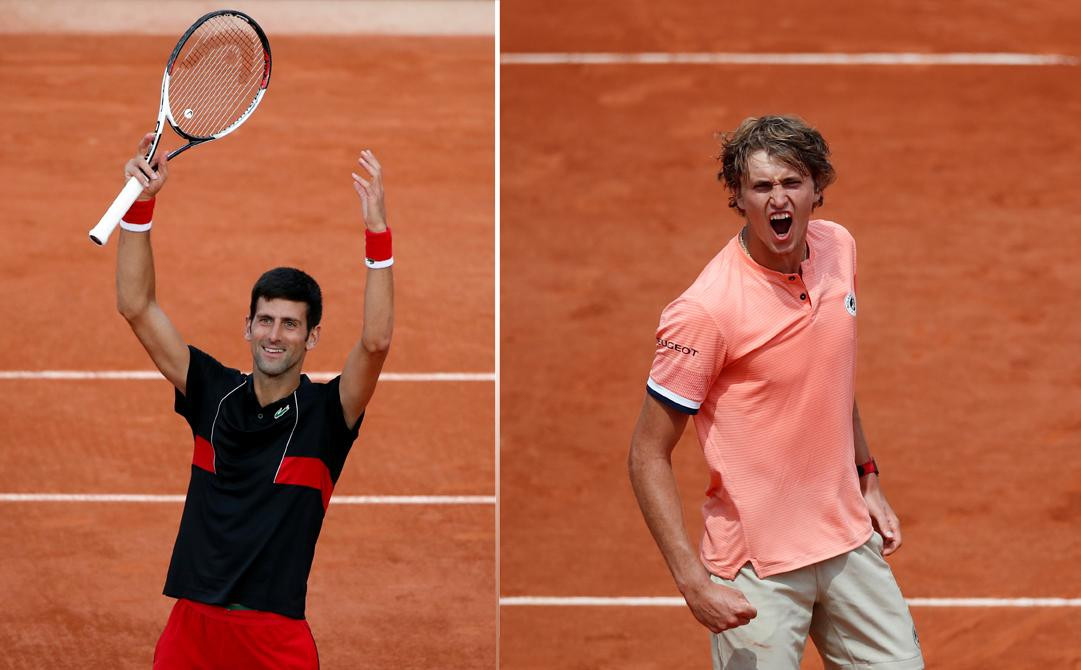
(761, 351)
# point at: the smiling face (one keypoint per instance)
(777, 200)
(279, 335)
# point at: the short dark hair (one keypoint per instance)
(289, 284)
(787, 138)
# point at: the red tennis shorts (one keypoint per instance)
(200, 636)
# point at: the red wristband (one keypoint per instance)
(377, 249)
(139, 216)
(142, 211)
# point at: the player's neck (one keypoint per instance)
(784, 263)
(270, 389)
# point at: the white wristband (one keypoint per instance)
(136, 227)
(376, 265)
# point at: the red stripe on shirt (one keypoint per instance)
(306, 471)
(204, 455)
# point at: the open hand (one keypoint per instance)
(371, 192)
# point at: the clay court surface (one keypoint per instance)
(392, 585)
(960, 187)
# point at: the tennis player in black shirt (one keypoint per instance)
(268, 446)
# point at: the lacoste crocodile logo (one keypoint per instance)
(281, 412)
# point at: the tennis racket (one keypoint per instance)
(214, 80)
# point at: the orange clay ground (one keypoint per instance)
(392, 585)
(960, 185)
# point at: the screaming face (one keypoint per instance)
(777, 200)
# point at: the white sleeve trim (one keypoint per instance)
(136, 227)
(673, 396)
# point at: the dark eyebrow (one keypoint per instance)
(264, 315)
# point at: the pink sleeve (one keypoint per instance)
(690, 353)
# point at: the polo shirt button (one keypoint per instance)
(260, 416)
(791, 277)
(802, 296)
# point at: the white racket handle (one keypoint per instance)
(100, 233)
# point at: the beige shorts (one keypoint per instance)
(850, 604)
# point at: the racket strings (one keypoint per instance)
(214, 81)
(217, 97)
(213, 84)
(216, 77)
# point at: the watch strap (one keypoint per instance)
(868, 468)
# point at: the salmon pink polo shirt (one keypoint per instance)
(766, 363)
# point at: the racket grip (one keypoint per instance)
(100, 233)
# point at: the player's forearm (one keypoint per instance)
(868, 483)
(658, 497)
(134, 274)
(378, 310)
(863, 451)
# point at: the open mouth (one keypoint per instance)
(781, 223)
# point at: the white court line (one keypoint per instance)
(339, 500)
(656, 58)
(279, 17)
(679, 602)
(63, 375)
(627, 601)
(994, 602)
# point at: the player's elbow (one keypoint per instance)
(377, 345)
(637, 467)
(635, 461)
(645, 455)
(130, 309)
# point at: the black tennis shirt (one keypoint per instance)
(261, 479)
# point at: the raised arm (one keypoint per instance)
(362, 367)
(659, 427)
(135, 297)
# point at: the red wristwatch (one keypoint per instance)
(867, 468)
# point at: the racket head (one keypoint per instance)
(216, 76)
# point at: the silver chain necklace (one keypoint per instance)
(743, 242)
